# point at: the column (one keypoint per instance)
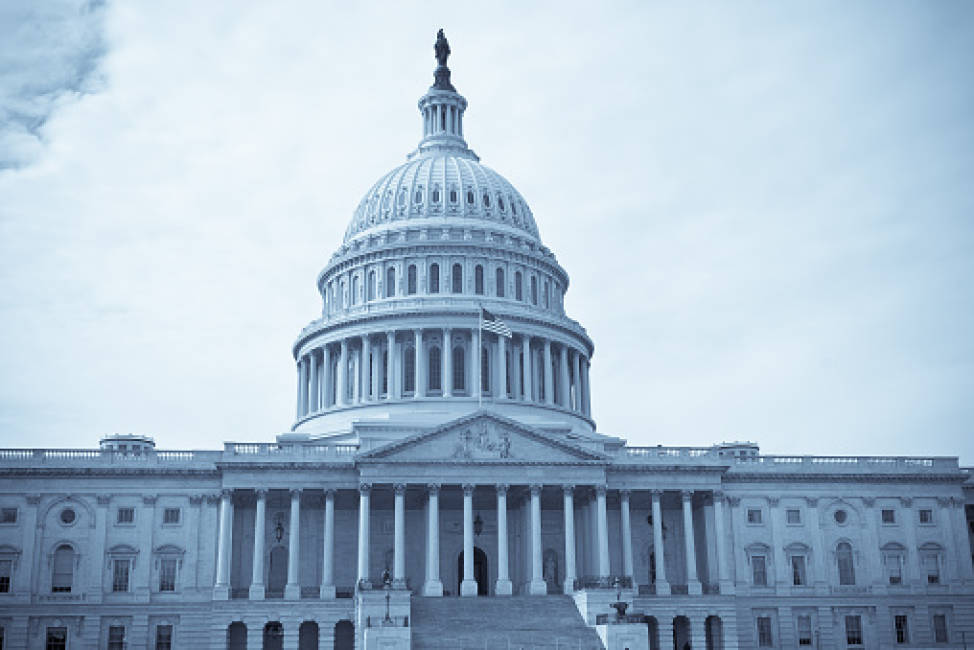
(420, 363)
(723, 564)
(503, 587)
(366, 365)
(313, 390)
(399, 537)
(538, 586)
(390, 364)
(565, 397)
(568, 505)
(781, 572)
(818, 562)
(693, 585)
(501, 391)
(577, 377)
(302, 383)
(363, 532)
(292, 591)
(433, 586)
(586, 393)
(446, 357)
(221, 590)
(327, 589)
(602, 530)
(966, 570)
(526, 360)
(327, 389)
(626, 530)
(342, 388)
(374, 367)
(549, 394)
(469, 586)
(26, 577)
(257, 577)
(662, 586)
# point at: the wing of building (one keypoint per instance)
(444, 485)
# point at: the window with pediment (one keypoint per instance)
(121, 565)
(894, 561)
(931, 562)
(167, 563)
(798, 562)
(845, 563)
(8, 565)
(758, 558)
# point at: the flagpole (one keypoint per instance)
(480, 356)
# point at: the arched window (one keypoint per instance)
(434, 279)
(459, 372)
(500, 282)
(62, 571)
(411, 280)
(457, 279)
(409, 370)
(547, 295)
(470, 197)
(390, 282)
(354, 290)
(344, 296)
(534, 290)
(435, 368)
(484, 371)
(843, 558)
(518, 290)
(478, 280)
(486, 200)
(371, 285)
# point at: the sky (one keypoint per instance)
(766, 209)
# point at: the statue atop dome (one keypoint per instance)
(441, 77)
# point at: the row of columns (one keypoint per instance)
(320, 389)
(442, 118)
(433, 585)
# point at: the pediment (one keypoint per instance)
(483, 437)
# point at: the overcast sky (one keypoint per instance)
(766, 209)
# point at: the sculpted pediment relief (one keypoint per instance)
(482, 437)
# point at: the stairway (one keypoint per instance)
(499, 623)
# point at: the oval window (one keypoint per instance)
(840, 516)
(68, 516)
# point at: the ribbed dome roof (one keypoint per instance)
(451, 188)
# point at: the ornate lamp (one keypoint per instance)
(478, 525)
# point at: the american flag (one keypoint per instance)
(492, 323)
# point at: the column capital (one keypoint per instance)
(502, 489)
(365, 488)
(869, 502)
(535, 489)
(261, 493)
(330, 493)
(718, 495)
(101, 499)
(226, 493)
(433, 488)
(906, 501)
(733, 501)
(399, 489)
(568, 489)
(600, 490)
(468, 489)
(773, 501)
(686, 495)
(196, 499)
(625, 494)
(295, 493)
(811, 501)
(33, 499)
(149, 499)
(657, 494)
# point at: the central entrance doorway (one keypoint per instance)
(480, 573)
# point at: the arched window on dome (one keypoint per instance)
(418, 195)
(484, 371)
(534, 290)
(344, 296)
(500, 202)
(500, 282)
(459, 372)
(411, 279)
(470, 197)
(486, 200)
(401, 200)
(62, 569)
(514, 208)
(478, 280)
(434, 279)
(390, 282)
(547, 295)
(409, 370)
(518, 289)
(453, 196)
(436, 195)
(371, 285)
(435, 368)
(457, 280)
(354, 296)
(844, 563)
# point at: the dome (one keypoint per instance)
(442, 188)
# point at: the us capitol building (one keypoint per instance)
(443, 484)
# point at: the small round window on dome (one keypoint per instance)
(470, 197)
(840, 516)
(68, 516)
(486, 200)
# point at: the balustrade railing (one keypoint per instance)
(244, 450)
(603, 582)
(811, 464)
(106, 457)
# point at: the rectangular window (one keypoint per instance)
(170, 516)
(889, 516)
(759, 571)
(926, 516)
(116, 637)
(900, 627)
(8, 516)
(793, 516)
(804, 625)
(940, 628)
(6, 573)
(798, 570)
(167, 574)
(754, 515)
(125, 516)
(57, 638)
(164, 637)
(765, 638)
(853, 630)
(120, 575)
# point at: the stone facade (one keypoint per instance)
(444, 447)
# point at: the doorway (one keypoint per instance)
(344, 635)
(480, 572)
(277, 572)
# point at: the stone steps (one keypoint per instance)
(515, 622)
